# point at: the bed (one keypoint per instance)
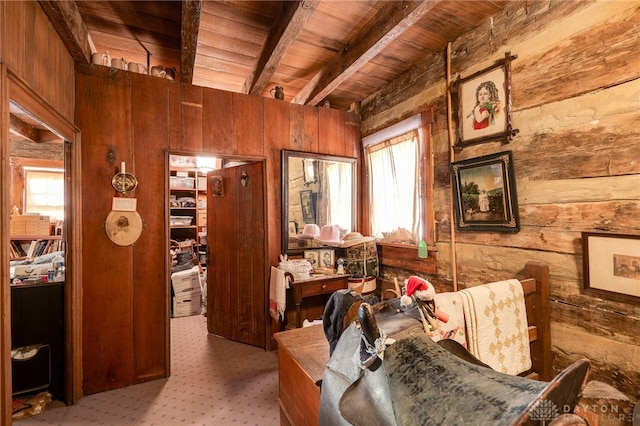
(304, 353)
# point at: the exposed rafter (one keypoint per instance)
(27, 131)
(68, 23)
(281, 37)
(316, 50)
(393, 19)
(189, 34)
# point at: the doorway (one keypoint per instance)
(39, 143)
(190, 244)
(37, 246)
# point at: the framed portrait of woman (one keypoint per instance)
(484, 105)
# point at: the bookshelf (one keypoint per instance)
(183, 205)
(188, 201)
(30, 246)
(201, 218)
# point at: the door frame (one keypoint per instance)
(13, 89)
(167, 233)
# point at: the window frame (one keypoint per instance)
(27, 170)
(405, 255)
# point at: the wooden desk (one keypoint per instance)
(315, 286)
(302, 355)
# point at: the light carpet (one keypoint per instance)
(214, 381)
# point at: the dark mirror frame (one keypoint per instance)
(284, 159)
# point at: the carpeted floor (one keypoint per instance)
(214, 381)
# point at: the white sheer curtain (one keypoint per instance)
(44, 192)
(393, 188)
(339, 187)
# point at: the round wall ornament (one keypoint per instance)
(123, 227)
(124, 182)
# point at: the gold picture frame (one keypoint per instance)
(484, 192)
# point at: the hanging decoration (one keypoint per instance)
(124, 224)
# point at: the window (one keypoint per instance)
(44, 192)
(339, 187)
(396, 204)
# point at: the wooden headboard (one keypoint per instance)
(536, 294)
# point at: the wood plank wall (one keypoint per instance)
(136, 118)
(32, 51)
(576, 102)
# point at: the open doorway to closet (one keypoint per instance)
(216, 243)
(187, 205)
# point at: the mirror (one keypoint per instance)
(316, 189)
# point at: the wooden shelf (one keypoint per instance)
(19, 245)
(35, 237)
(187, 232)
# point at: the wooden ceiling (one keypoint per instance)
(317, 50)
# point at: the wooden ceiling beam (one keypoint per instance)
(289, 26)
(27, 131)
(46, 136)
(190, 29)
(67, 22)
(393, 19)
(21, 128)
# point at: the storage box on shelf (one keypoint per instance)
(180, 220)
(201, 219)
(182, 182)
(34, 225)
(182, 203)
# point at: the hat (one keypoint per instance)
(353, 238)
(310, 231)
(329, 235)
(416, 284)
(422, 289)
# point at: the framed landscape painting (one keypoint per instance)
(484, 193)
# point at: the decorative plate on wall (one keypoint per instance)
(123, 228)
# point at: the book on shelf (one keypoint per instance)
(16, 250)
(42, 247)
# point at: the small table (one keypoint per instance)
(314, 286)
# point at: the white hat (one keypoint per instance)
(329, 235)
(310, 231)
(353, 238)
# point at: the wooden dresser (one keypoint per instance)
(302, 355)
(316, 290)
